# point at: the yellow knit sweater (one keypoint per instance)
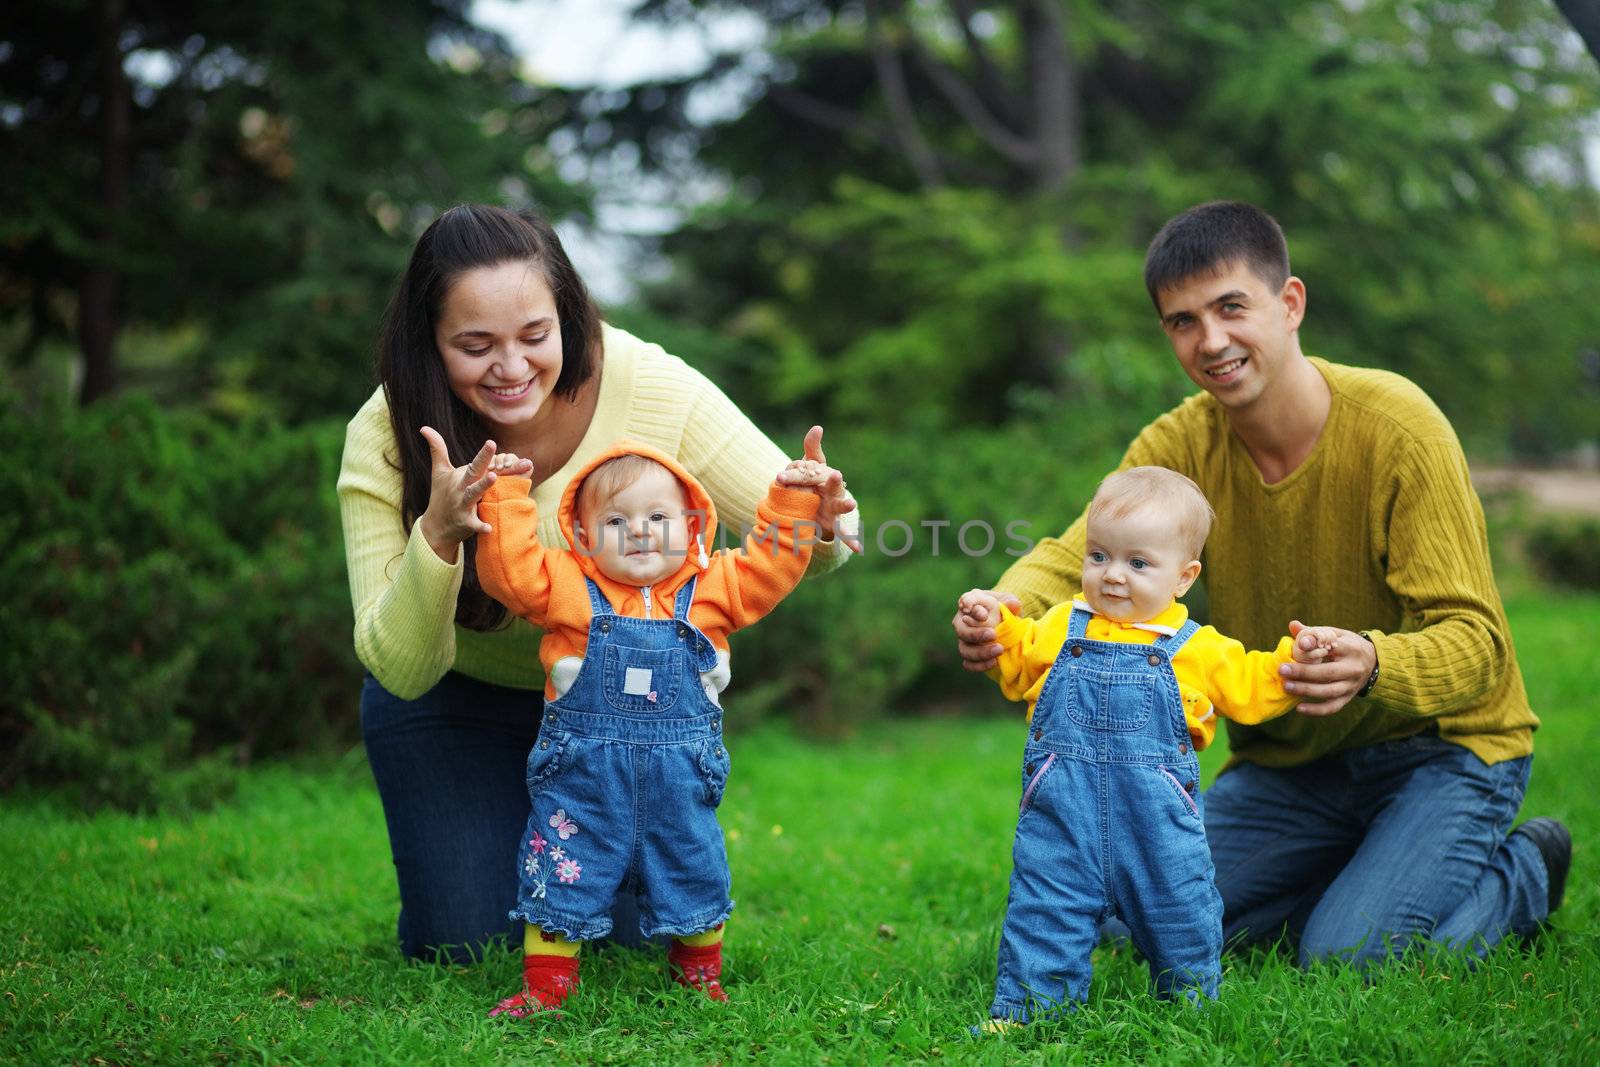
(1378, 530)
(404, 595)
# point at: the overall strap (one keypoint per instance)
(597, 600)
(1171, 645)
(1078, 621)
(680, 607)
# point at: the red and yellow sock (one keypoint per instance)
(549, 974)
(697, 962)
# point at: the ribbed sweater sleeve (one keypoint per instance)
(403, 594)
(1456, 647)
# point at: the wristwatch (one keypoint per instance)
(1372, 679)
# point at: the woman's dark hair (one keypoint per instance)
(412, 372)
(1208, 236)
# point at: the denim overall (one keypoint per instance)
(625, 781)
(1109, 825)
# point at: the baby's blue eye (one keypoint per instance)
(659, 516)
(1139, 564)
(1098, 557)
(615, 520)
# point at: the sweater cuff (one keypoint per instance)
(434, 582)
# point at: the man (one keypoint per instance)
(1379, 813)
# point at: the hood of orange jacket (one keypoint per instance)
(702, 521)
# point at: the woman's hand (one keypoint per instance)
(836, 499)
(452, 513)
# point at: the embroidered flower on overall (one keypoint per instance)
(530, 865)
(568, 871)
(557, 855)
(537, 842)
(563, 826)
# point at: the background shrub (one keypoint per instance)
(175, 599)
(1565, 550)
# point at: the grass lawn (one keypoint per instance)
(871, 879)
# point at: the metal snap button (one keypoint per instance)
(605, 627)
(1038, 735)
(1029, 768)
(683, 631)
(1155, 660)
(544, 744)
(1183, 749)
(1077, 650)
(720, 753)
(1188, 787)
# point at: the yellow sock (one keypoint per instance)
(538, 942)
(710, 937)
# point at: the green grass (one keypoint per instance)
(871, 879)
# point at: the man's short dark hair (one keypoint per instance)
(1207, 237)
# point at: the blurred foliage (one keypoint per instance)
(175, 599)
(1426, 158)
(1565, 550)
(277, 162)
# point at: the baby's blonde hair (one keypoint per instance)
(1128, 491)
(612, 476)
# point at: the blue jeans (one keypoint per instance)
(451, 770)
(1360, 853)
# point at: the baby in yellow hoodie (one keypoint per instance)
(630, 763)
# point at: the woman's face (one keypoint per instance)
(500, 340)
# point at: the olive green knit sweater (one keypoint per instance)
(1378, 530)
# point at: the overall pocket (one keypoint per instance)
(1033, 772)
(714, 762)
(642, 680)
(547, 757)
(1177, 787)
(1111, 700)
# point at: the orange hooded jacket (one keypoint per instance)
(545, 585)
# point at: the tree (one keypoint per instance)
(251, 174)
(889, 231)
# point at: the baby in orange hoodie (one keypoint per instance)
(630, 763)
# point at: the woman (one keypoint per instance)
(491, 342)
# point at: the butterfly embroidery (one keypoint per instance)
(563, 826)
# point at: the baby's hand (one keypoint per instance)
(980, 607)
(806, 474)
(1314, 644)
(509, 465)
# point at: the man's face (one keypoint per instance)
(1232, 332)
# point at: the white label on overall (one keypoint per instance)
(636, 681)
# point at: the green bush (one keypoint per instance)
(175, 600)
(1565, 550)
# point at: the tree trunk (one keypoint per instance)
(1057, 115)
(98, 294)
(1585, 18)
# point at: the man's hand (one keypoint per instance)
(1330, 667)
(977, 612)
